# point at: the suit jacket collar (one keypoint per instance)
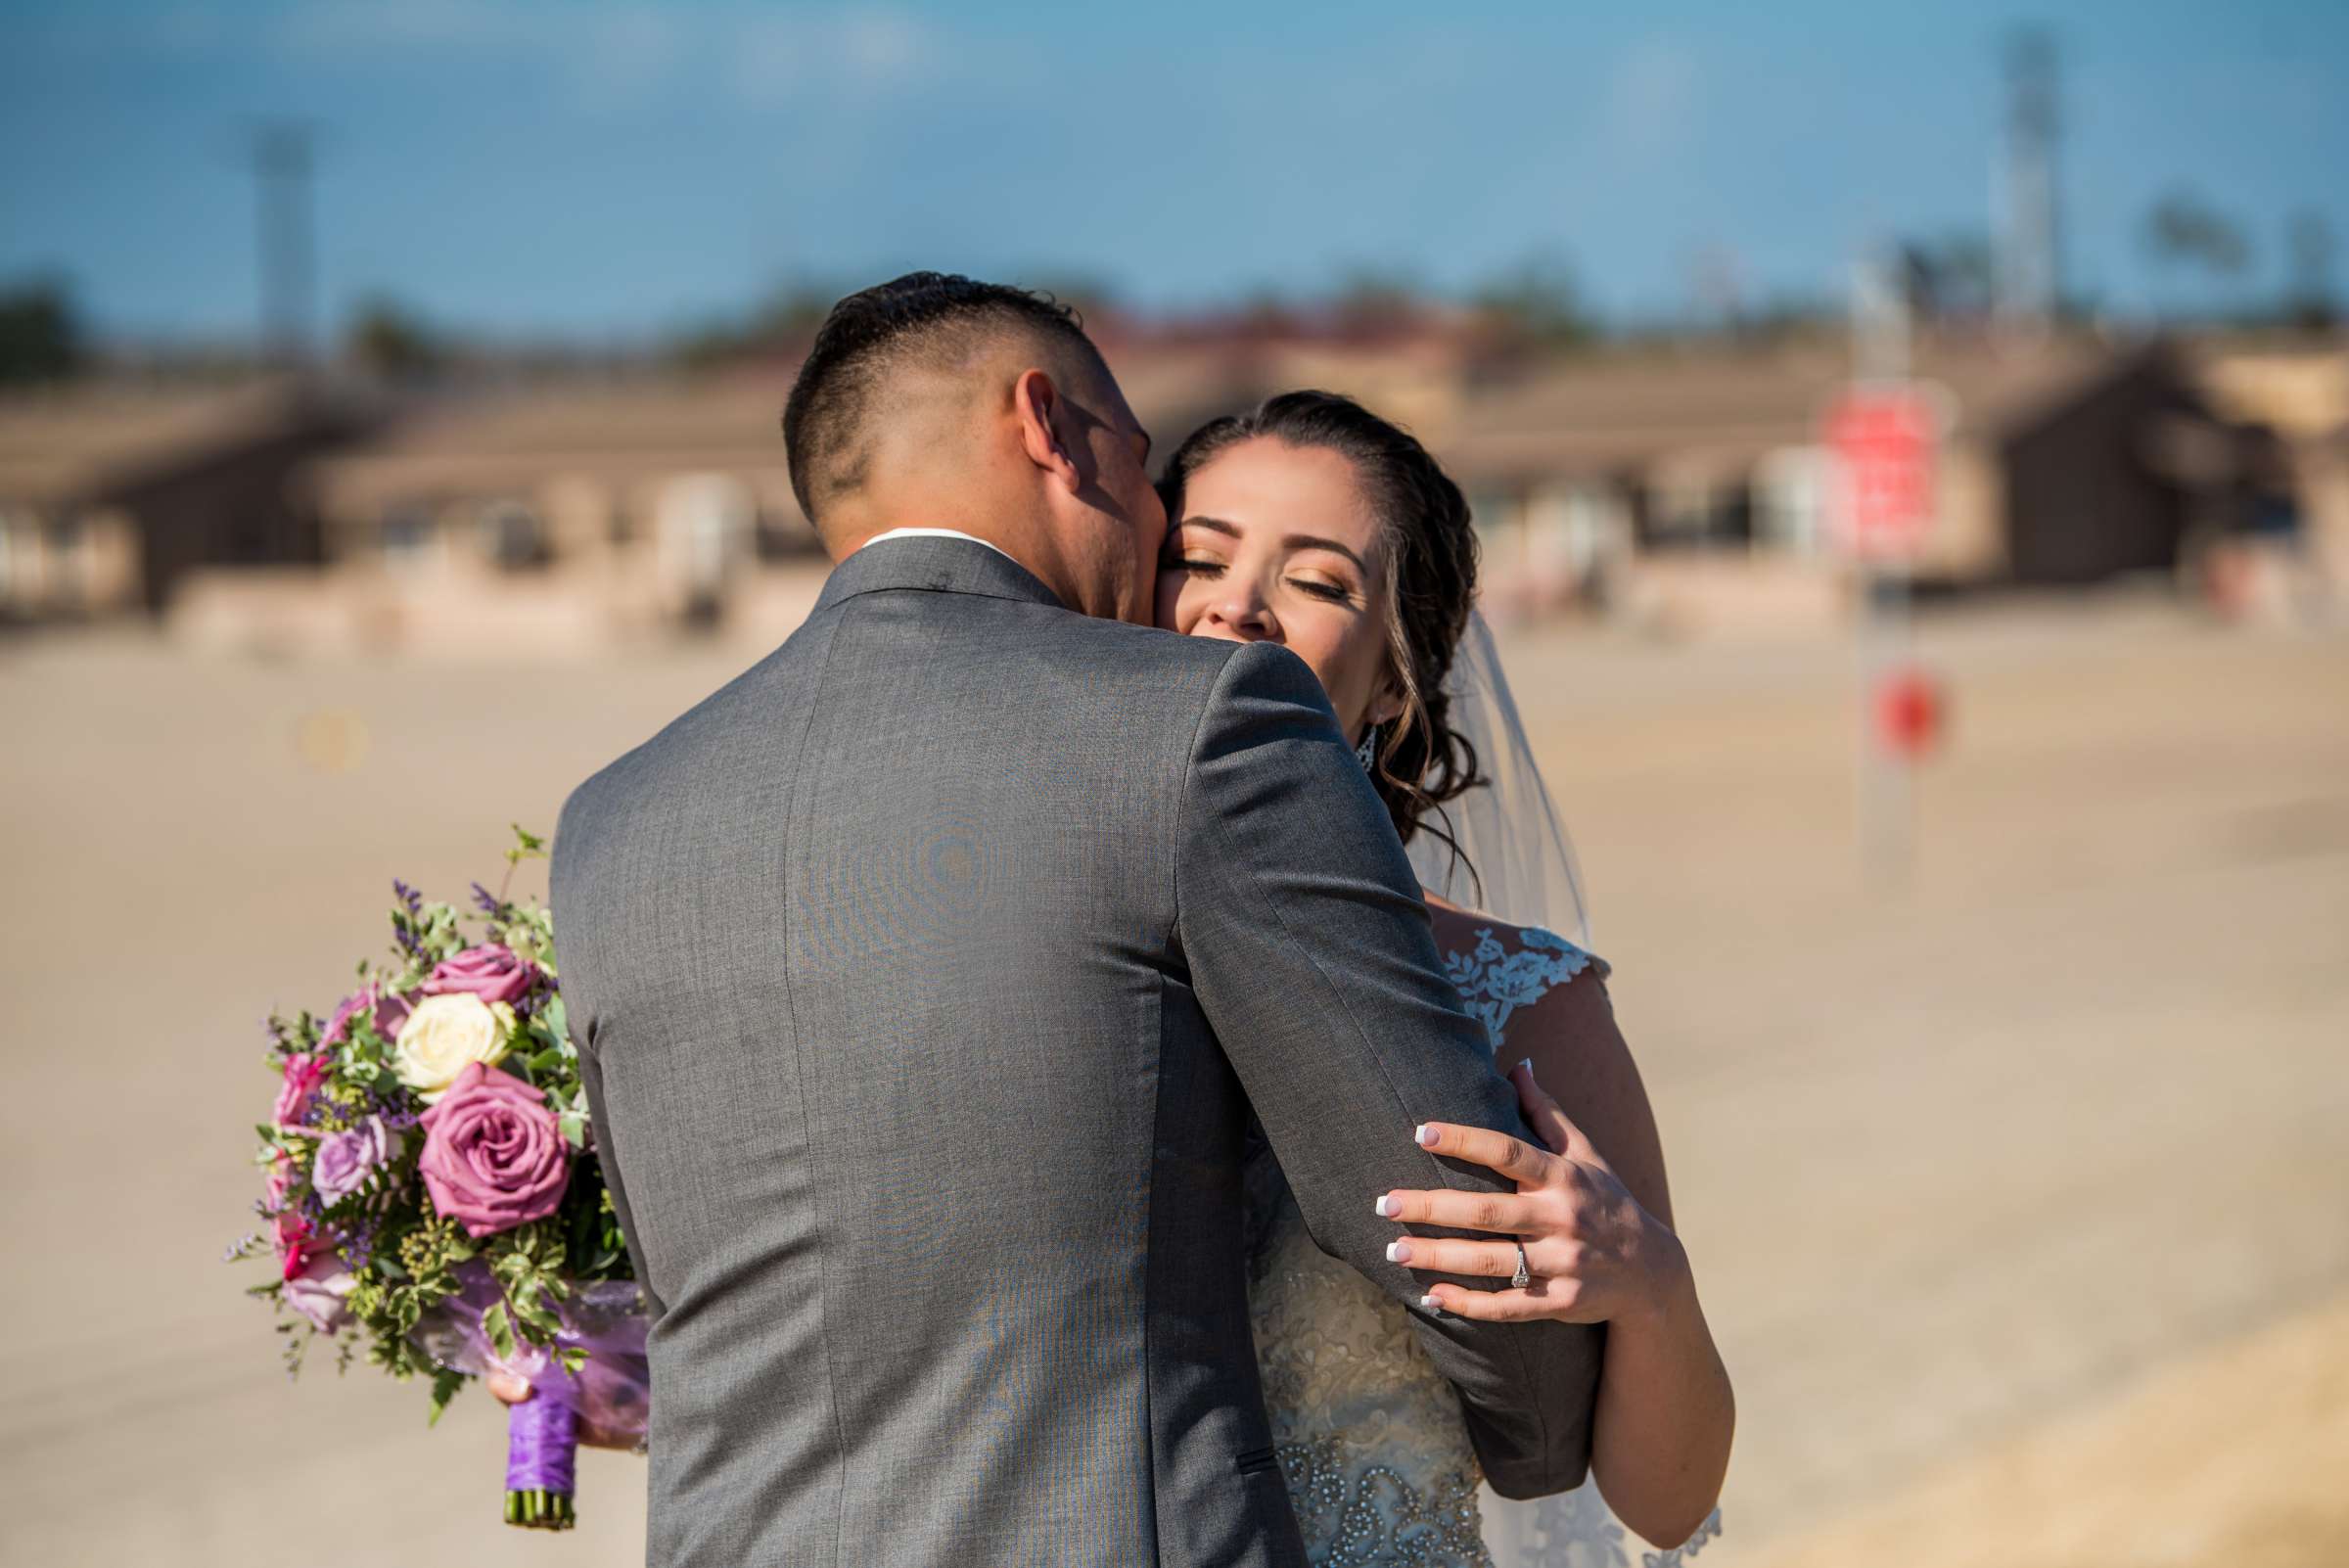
(934, 565)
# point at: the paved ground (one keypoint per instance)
(2015, 1196)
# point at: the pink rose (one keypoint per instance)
(490, 972)
(280, 1180)
(304, 1074)
(494, 1157)
(318, 1287)
(387, 1011)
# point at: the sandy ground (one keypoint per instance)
(2015, 1194)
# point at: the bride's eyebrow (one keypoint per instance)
(1314, 541)
(1213, 525)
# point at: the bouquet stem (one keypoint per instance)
(543, 1435)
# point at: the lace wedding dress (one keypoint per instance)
(1369, 1436)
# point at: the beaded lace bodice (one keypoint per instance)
(1369, 1435)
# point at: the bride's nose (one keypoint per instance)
(1244, 614)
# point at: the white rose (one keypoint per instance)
(444, 1036)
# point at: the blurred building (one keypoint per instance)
(1691, 484)
(558, 516)
(571, 514)
(1683, 485)
(112, 495)
(2294, 387)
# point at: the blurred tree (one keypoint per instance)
(1093, 297)
(2184, 231)
(40, 339)
(2309, 304)
(1950, 278)
(781, 323)
(389, 340)
(1266, 312)
(1534, 303)
(1788, 316)
(1377, 302)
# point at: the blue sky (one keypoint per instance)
(613, 169)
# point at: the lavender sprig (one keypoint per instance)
(405, 930)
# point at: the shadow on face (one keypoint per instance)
(1111, 453)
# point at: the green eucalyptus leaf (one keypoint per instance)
(500, 1329)
(445, 1383)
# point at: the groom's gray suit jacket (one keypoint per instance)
(923, 979)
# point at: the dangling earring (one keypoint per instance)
(1366, 753)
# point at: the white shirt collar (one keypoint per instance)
(935, 534)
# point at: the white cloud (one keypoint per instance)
(626, 52)
(772, 58)
(1650, 107)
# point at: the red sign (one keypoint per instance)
(1882, 440)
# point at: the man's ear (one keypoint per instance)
(1039, 409)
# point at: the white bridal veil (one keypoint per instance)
(1509, 830)
(1526, 873)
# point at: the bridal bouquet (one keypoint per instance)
(432, 1198)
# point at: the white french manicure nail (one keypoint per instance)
(1398, 1252)
(1389, 1207)
(1528, 1065)
(1432, 1304)
(1426, 1136)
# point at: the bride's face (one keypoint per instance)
(1276, 543)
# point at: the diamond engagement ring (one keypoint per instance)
(1524, 1276)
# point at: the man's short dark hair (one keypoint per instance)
(827, 422)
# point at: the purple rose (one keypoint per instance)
(388, 1012)
(345, 1157)
(493, 1156)
(317, 1290)
(490, 972)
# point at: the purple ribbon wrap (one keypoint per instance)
(542, 1435)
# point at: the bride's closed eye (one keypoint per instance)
(1334, 592)
(1210, 568)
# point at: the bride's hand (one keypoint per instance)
(1593, 1252)
(511, 1387)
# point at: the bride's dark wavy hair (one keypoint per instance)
(1431, 555)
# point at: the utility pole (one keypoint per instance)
(1880, 333)
(280, 154)
(1883, 434)
(2030, 281)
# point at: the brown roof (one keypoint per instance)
(619, 430)
(1604, 413)
(85, 439)
(512, 439)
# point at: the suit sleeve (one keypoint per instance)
(1312, 955)
(575, 968)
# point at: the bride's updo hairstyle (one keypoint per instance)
(1431, 580)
